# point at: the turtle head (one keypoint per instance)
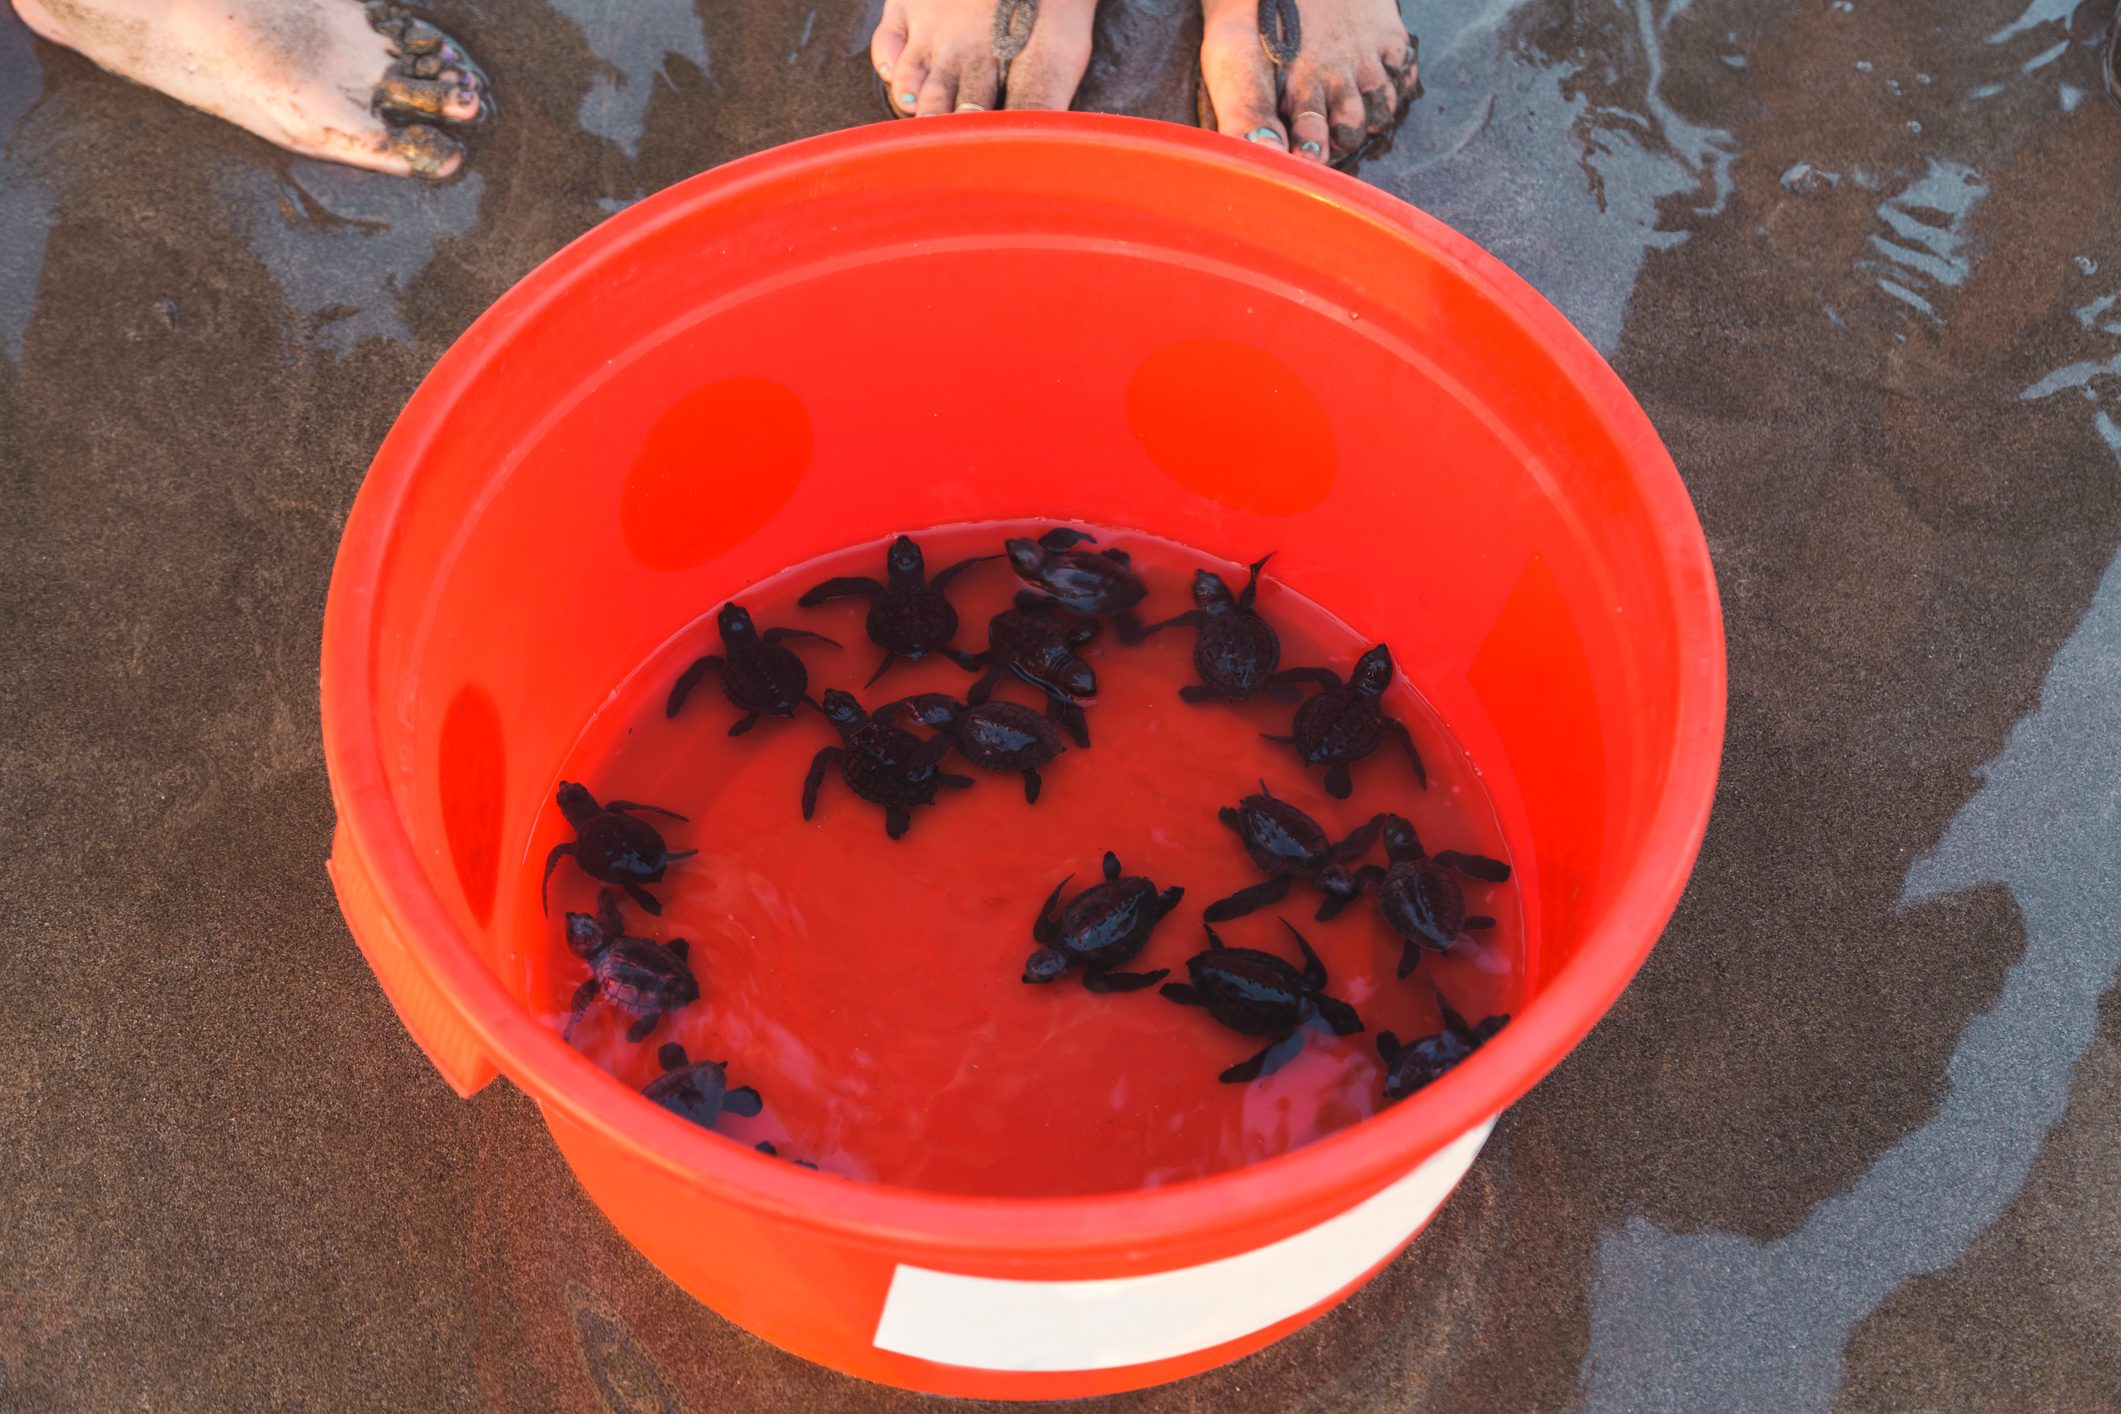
(841, 709)
(1076, 678)
(586, 936)
(1402, 845)
(735, 623)
(1045, 965)
(1373, 672)
(1336, 882)
(576, 803)
(1209, 591)
(1026, 555)
(903, 559)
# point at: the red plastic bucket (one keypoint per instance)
(1004, 316)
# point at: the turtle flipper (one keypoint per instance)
(1338, 1017)
(1398, 731)
(688, 680)
(840, 588)
(552, 862)
(583, 996)
(942, 578)
(1047, 928)
(1250, 900)
(634, 807)
(819, 764)
(1123, 981)
(1268, 1061)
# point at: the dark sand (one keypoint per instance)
(1851, 1139)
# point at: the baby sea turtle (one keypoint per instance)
(887, 765)
(759, 674)
(1100, 928)
(611, 846)
(909, 616)
(1099, 584)
(1289, 845)
(994, 736)
(1257, 994)
(635, 975)
(1035, 640)
(1420, 900)
(1410, 1067)
(1344, 722)
(698, 1090)
(1235, 651)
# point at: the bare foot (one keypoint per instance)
(938, 56)
(363, 85)
(1351, 74)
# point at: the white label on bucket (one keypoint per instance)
(989, 1323)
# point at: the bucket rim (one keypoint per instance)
(1326, 1175)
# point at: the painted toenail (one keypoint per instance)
(884, 69)
(907, 100)
(1308, 146)
(1266, 135)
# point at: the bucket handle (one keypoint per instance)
(428, 1016)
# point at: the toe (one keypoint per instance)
(889, 41)
(420, 37)
(1402, 60)
(938, 93)
(978, 82)
(1054, 59)
(1380, 101)
(1303, 105)
(907, 77)
(413, 150)
(427, 152)
(1345, 117)
(426, 98)
(1240, 83)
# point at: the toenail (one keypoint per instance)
(907, 100)
(1266, 135)
(1308, 146)
(884, 69)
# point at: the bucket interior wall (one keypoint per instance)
(795, 365)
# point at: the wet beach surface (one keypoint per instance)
(1850, 1140)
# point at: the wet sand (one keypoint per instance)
(1850, 1140)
